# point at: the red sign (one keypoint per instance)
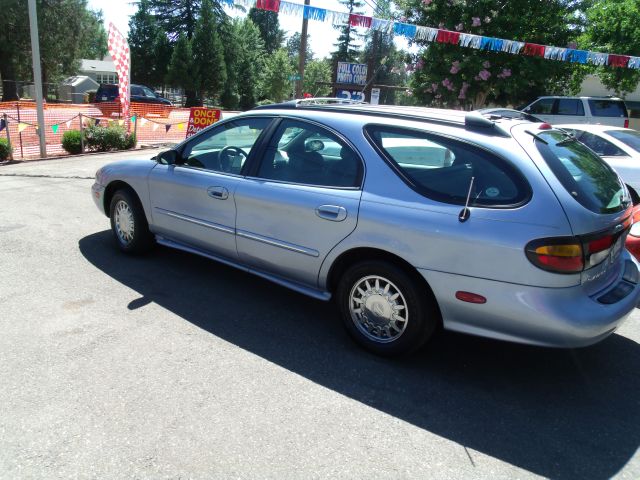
(200, 118)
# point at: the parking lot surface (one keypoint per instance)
(170, 366)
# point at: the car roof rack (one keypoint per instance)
(302, 102)
(473, 121)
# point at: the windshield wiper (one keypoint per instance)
(537, 137)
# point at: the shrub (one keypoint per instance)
(103, 139)
(5, 150)
(266, 101)
(71, 141)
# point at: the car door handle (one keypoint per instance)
(219, 193)
(334, 213)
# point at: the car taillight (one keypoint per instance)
(626, 123)
(575, 254)
(597, 250)
(560, 255)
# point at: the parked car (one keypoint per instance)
(503, 228)
(591, 110)
(633, 239)
(108, 92)
(619, 147)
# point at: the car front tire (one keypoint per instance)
(384, 309)
(129, 224)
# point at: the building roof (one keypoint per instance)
(97, 66)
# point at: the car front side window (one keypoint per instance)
(226, 147)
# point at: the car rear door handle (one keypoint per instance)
(219, 193)
(334, 213)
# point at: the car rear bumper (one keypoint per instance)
(97, 193)
(552, 317)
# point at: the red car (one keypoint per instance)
(633, 239)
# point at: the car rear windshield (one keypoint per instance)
(581, 172)
(442, 168)
(629, 137)
(608, 108)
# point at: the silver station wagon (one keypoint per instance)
(409, 218)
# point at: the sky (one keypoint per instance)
(322, 35)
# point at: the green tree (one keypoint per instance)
(349, 39)
(275, 81)
(250, 63)
(162, 51)
(612, 26)
(143, 33)
(181, 16)
(450, 75)
(317, 71)
(269, 26)
(180, 71)
(68, 31)
(208, 54)
(293, 49)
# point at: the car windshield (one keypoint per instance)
(591, 181)
(627, 136)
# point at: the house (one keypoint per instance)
(101, 71)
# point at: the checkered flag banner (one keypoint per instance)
(119, 50)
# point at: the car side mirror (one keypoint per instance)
(170, 157)
(527, 109)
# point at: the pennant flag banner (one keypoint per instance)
(133, 119)
(167, 128)
(143, 121)
(120, 122)
(181, 126)
(155, 126)
(3, 124)
(428, 34)
(68, 124)
(22, 126)
(54, 128)
(97, 122)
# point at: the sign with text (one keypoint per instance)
(355, 73)
(200, 118)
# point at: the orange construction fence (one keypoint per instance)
(153, 124)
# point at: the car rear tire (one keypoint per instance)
(385, 309)
(129, 224)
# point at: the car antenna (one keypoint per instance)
(465, 213)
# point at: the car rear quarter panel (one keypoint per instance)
(428, 234)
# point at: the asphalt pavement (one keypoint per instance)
(170, 366)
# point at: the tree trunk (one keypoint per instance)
(9, 86)
(192, 99)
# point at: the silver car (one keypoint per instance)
(409, 218)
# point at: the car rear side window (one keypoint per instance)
(591, 181)
(570, 106)
(442, 168)
(607, 108)
(627, 136)
(544, 106)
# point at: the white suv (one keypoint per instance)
(592, 110)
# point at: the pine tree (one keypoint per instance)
(180, 72)
(162, 51)
(181, 16)
(346, 48)
(208, 54)
(269, 26)
(249, 63)
(143, 31)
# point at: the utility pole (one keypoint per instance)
(37, 74)
(302, 56)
